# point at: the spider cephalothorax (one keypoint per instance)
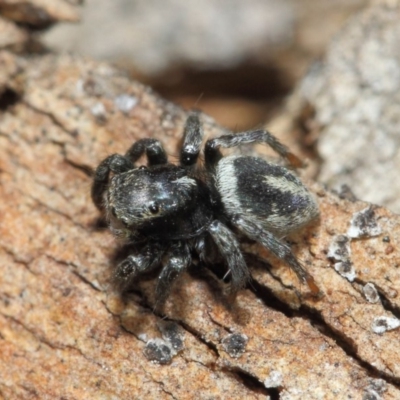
(172, 210)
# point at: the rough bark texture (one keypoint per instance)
(354, 95)
(64, 331)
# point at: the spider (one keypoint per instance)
(167, 211)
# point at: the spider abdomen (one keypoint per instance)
(265, 193)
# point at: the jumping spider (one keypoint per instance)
(166, 211)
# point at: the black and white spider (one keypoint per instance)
(166, 211)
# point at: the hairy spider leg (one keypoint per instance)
(153, 148)
(136, 264)
(280, 249)
(213, 155)
(229, 248)
(114, 163)
(179, 259)
(193, 137)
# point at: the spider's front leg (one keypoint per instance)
(153, 148)
(135, 265)
(193, 137)
(277, 247)
(178, 260)
(229, 248)
(114, 163)
(213, 155)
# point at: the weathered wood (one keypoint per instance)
(64, 331)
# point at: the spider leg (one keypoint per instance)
(179, 259)
(277, 247)
(207, 250)
(213, 155)
(153, 148)
(114, 163)
(136, 264)
(193, 137)
(230, 251)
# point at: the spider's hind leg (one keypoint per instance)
(213, 154)
(277, 247)
(229, 248)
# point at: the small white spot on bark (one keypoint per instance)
(383, 324)
(125, 102)
(346, 269)
(363, 224)
(273, 380)
(98, 110)
(339, 250)
(142, 337)
(370, 293)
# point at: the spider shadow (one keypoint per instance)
(217, 280)
(98, 224)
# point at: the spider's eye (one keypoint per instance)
(154, 208)
(142, 167)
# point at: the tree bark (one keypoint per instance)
(66, 333)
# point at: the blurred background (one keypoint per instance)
(235, 59)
